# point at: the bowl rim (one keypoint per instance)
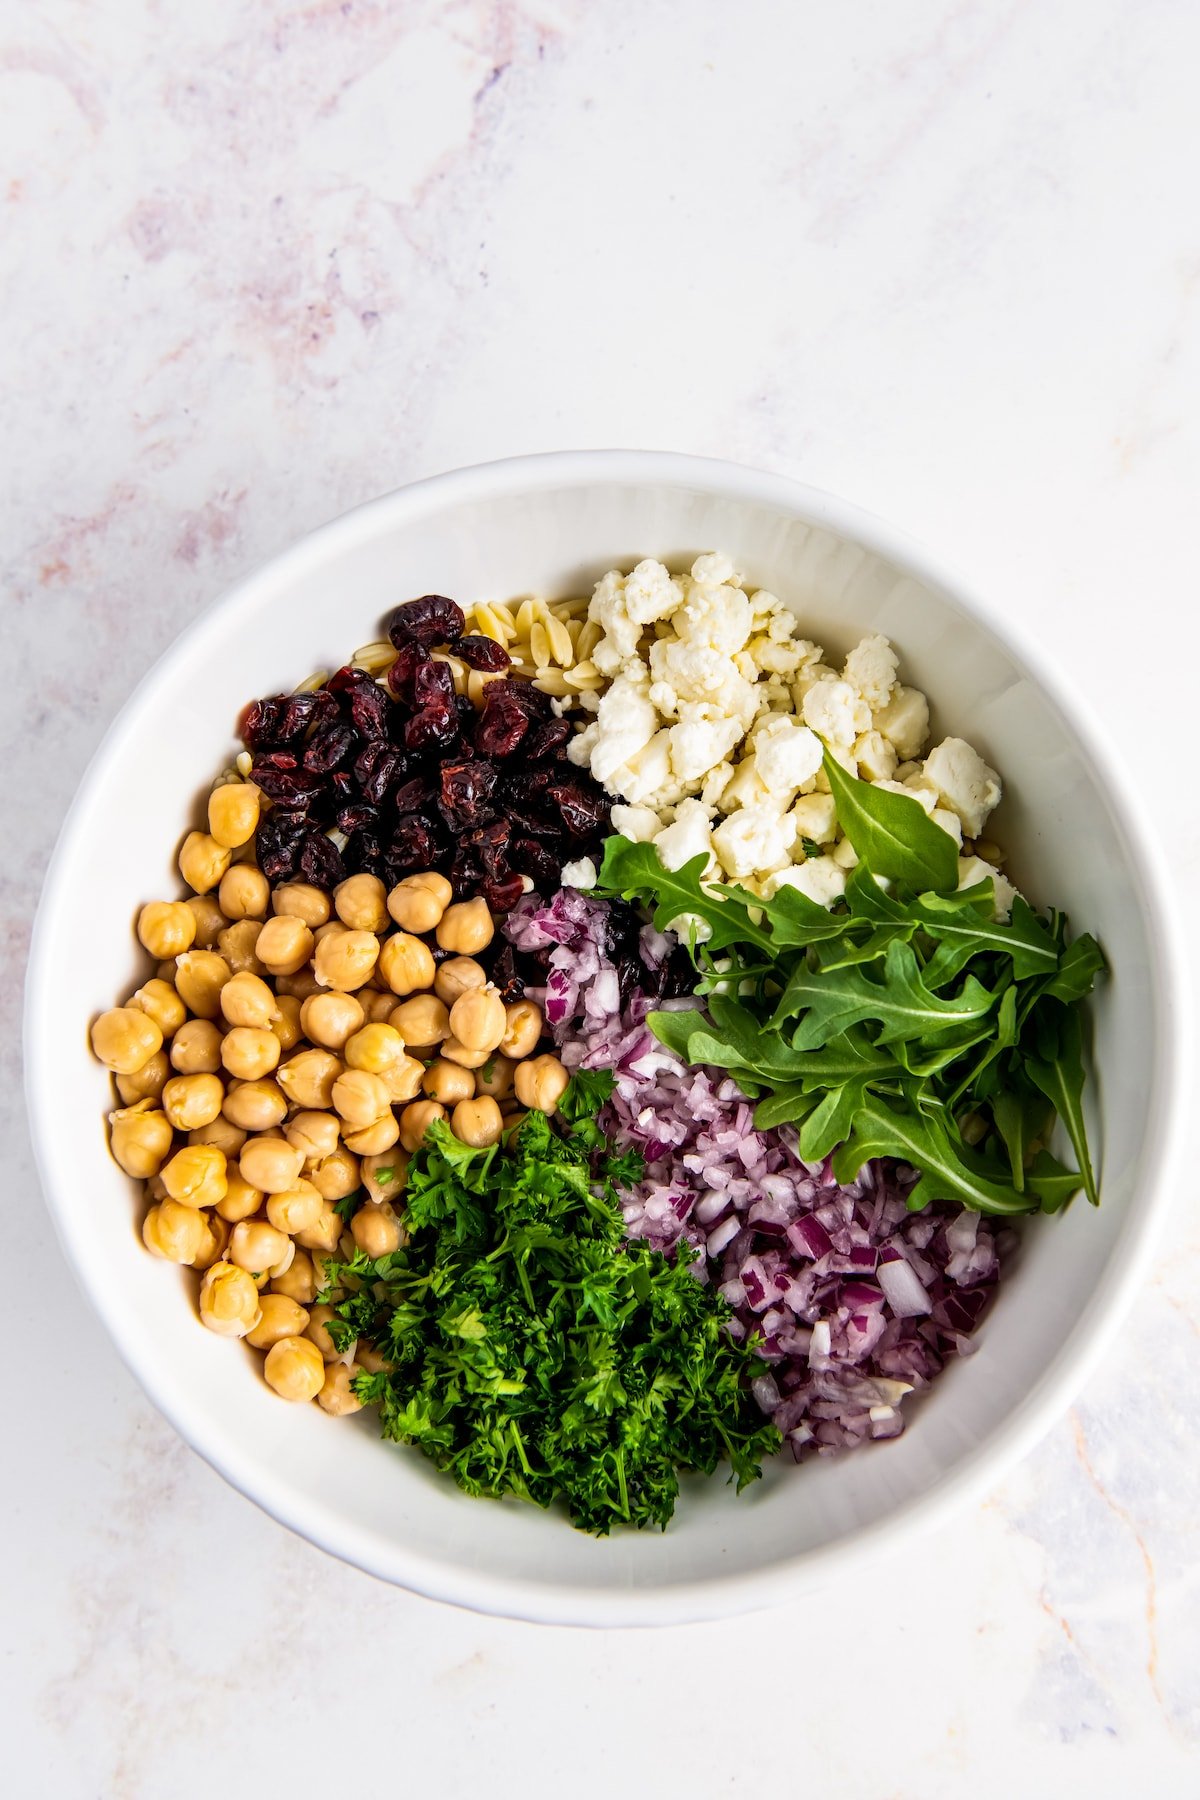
(982, 1467)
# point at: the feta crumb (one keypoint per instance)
(714, 619)
(714, 569)
(651, 593)
(638, 823)
(904, 721)
(844, 854)
(816, 818)
(581, 874)
(833, 710)
(754, 840)
(820, 878)
(973, 869)
(876, 756)
(948, 821)
(688, 837)
(870, 669)
(701, 741)
(786, 755)
(963, 782)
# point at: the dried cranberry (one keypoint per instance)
(431, 620)
(376, 769)
(540, 864)
(277, 774)
(363, 854)
(299, 711)
(502, 892)
(488, 844)
(277, 844)
(258, 727)
(366, 701)
(432, 725)
(357, 817)
(321, 861)
(545, 740)
(433, 685)
(328, 747)
(413, 846)
(410, 656)
(535, 702)
(413, 796)
(466, 789)
(482, 653)
(504, 977)
(502, 724)
(464, 875)
(582, 814)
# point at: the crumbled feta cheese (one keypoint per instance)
(638, 823)
(948, 821)
(844, 854)
(651, 593)
(714, 619)
(714, 569)
(581, 874)
(904, 721)
(786, 755)
(701, 741)
(816, 818)
(624, 726)
(820, 878)
(754, 840)
(715, 783)
(643, 776)
(870, 669)
(835, 712)
(746, 788)
(580, 747)
(688, 837)
(876, 757)
(973, 869)
(964, 782)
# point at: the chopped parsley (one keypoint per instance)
(536, 1353)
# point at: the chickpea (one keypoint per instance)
(286, 1023)
(293, 1367)
(146, 1083)
(418, 902)
(240, 1200)
(378, 1007)
(336, 1176)
(522, 1029)
(375, 1138)
(512, 1124)
(477, 1122)
(403, 1078)
(298, 1283)
(477, 1019)
(159, 1001)
(455, 976)
(192, 1100)
(376, 1229)
(233, 813)
(202, 861)
(141, 1139)
(317, 1333)
(416, 1119)
(296, 1209)
(229, 1300)
(458, 1053)
(325, 1233)
(244, 893)
(345, 960)
(495, 1078)
(173, 1232)
(249, 1053)
(280, 1317)
(270, 1164)
(307, 1079)
(447, 1082)
(300, 900)
(125, 1039)
(216, 1238)
(210, 920)
(385, 1176)
(330, 1019)
(375, 1048)
(332, 928)
(337, 1397)
(247, 1000)
(316, 1133)
(422, 1021)
(284, 944)
(256, 1246)
(227, 1138)
(406, 964)
(238, 944)
(196, 1175)
(255, 1105)
(540, 1083)
(361, 903)
(196, 1048)
(359, 1097)
(299, 986)
(166, 928)
(200, 975)
(466, 927)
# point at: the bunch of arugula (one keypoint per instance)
(533, 1351)
(902, 1023)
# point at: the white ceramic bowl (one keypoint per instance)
(551, 525)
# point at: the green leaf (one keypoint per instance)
(635, 872)
(965, 922)
(1081, 963)
(1052, 1182)
(786, 1106)
(901, 1003)
(1019, 1116)
(831, 1121)
(949, 1171)
(1060, 1077)
(892, 834)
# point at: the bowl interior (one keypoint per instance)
(541, 531)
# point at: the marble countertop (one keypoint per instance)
(263, 260)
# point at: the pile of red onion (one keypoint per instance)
(858, 1301)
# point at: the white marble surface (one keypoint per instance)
(263, 260)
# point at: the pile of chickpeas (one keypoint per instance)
(291, 1048)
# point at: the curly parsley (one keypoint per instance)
(534, 1352)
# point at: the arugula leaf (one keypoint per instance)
(965, 922)
(902, 1004)
(635, 872)
(1081, 962)
(892, 833)
(1060, 1077)
(949, 1170)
